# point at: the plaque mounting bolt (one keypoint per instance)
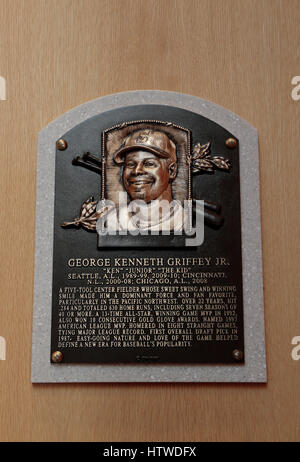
(231, 143)
(237, 355)
(61, 144)
(57, 357)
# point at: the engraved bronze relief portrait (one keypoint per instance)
(147, 174)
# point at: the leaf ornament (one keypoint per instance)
(88, 216)
(202, 160)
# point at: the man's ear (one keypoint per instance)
(173, 170)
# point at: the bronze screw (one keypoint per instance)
(230, 143)
(61, 144)
(237, 355)
(57, 357)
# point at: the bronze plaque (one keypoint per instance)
(147, 263)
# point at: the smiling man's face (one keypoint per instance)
(146, 176)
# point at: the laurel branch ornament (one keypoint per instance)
(203, 161)
(88, 216)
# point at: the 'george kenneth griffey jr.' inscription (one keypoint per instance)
(147, 240)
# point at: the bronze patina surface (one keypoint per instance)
(152, 298)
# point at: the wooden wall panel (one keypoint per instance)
(241, 54)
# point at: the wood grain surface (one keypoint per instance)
(241, 54)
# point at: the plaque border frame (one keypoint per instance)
(254, 368)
